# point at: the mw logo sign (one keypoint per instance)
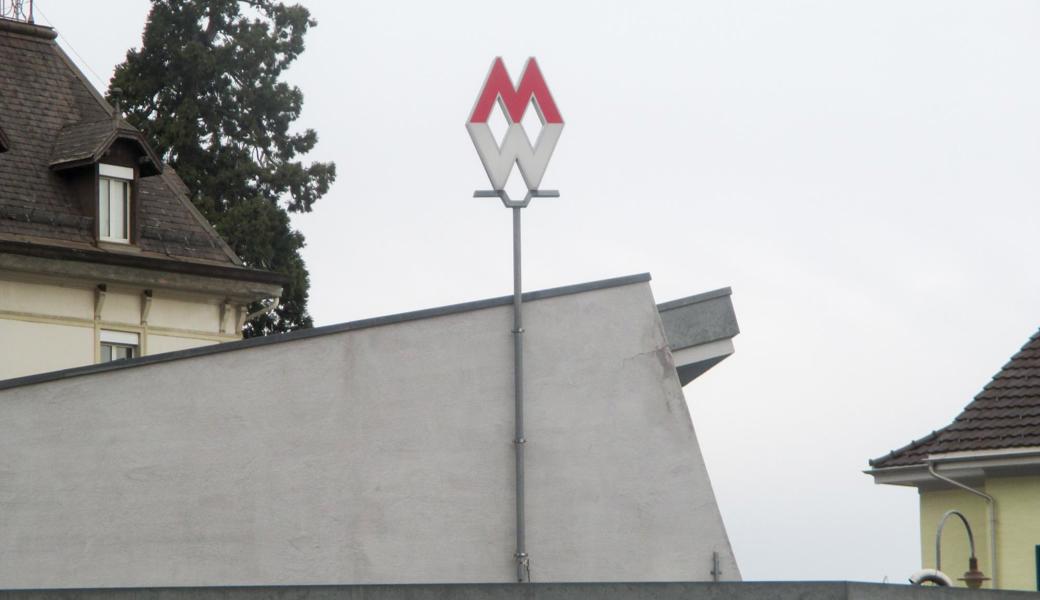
(516, 147)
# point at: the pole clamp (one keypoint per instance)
(510, 203)
(520, 441)
(520, 330)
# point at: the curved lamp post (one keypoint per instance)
(973, 578)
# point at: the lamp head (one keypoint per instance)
(973, 578)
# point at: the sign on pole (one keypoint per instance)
(532, 159)
(516, 147)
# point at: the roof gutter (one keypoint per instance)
(983, 455)
(991, 510)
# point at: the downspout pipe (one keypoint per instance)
(991, 510)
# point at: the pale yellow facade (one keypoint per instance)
(1018, 530)
(49, 322)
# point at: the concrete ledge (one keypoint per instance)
(700, 331)
(699, 319)
(794, 590)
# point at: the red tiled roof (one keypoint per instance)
(1005, 414)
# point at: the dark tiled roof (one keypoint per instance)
(1005, 414)
(52, 115)
(86, 142)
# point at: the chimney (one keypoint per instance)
(117, 104)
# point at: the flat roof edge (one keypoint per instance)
(695, 299)
(303, 334)
(619, 590)
(699, 319)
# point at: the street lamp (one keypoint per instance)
(973, 577)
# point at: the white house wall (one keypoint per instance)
(375, 455)
(33, 347)
(48, 324)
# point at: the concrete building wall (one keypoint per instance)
(48, 324)
(372, 455)
(1018, 530)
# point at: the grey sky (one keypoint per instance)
(863, 174)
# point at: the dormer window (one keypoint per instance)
(114, 185)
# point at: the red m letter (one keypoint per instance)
(515, 100)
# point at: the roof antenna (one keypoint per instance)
(117, 96)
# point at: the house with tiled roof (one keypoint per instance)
(102, 254)
(986, 465)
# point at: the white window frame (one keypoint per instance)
(121, 339)
(124, 176)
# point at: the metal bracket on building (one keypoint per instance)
(510, 203)
(225, 314)
(524, 563)
(243, 316)
(265, 310)
(99, 300)
(146, 306)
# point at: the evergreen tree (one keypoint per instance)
(204, 88)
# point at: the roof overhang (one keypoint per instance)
(700, 331)
(5, 145)
(967, 467)
(56, 261)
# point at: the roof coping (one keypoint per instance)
(695, 299)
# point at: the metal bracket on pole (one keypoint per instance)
(510, 203)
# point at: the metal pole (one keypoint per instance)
(523, 562)
(523, 570)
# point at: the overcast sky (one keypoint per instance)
(864, 175)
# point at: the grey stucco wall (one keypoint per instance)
(380, 455)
